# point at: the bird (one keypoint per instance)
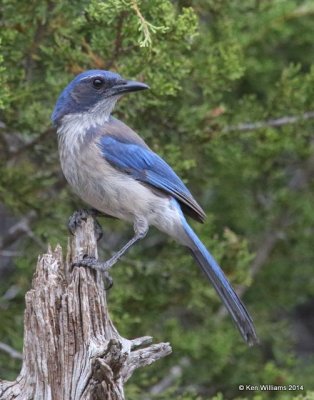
(112, 169)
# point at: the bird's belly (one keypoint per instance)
(117, 194)
(107, 189)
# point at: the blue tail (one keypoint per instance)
(225, 291)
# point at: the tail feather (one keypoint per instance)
(225, 291)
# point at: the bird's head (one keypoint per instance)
(93, 93)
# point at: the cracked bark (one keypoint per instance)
(71, 348)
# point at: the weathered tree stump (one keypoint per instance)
(71, 348)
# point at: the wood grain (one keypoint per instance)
(72, 350)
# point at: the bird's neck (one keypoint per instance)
(82, 122)
(76, 131)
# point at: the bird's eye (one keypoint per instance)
(97, 83)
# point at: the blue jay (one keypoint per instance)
(112, 169)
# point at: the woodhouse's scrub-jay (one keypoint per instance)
(112, 169)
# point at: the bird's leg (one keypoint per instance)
(81, 215)
(140, 229)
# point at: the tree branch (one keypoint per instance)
(19, 229)
(275, 123)
(118, 41)
(14, 154)
(71, 348)
(12, 352)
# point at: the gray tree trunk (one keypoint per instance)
(72, 351)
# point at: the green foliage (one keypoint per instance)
(212, 66)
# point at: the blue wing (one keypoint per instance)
(146, 166)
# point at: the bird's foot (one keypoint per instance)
(98, 230)
(76, 219)
(91, 262)
(108, 281)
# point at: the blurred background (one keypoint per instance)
(231, 108)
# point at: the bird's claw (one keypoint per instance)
(108, 281)
(98, 230)
(92, 262)
(75, 221)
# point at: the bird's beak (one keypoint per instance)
(128, 86)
